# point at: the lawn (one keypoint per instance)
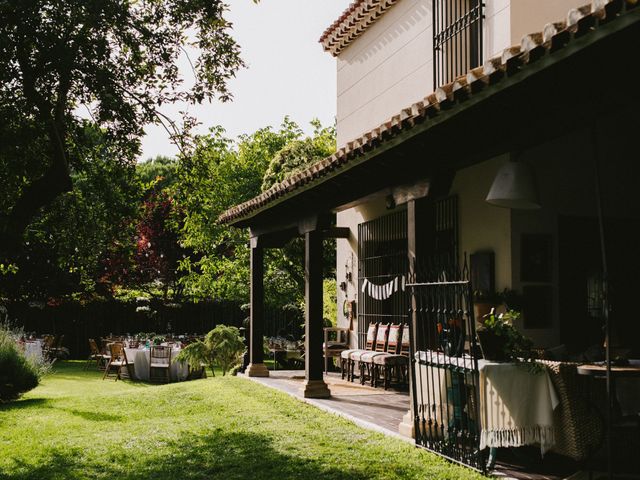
(74, 425)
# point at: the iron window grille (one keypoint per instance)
(457, 38)
(382, 270)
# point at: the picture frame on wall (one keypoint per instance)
(535, 258)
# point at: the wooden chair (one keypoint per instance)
(160, 360)
(347, 365)
(365, 360)
(396, 360)
(118, 361)
(334, 347)
(96, 355)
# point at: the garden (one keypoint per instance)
(74, 425)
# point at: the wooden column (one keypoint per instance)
(314, 386)
(256, 367)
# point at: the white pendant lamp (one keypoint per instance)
(514, 187)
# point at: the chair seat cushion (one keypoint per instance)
(369, 356)
(357, 354)
(389, 359)
(346, 354)
(159, 365)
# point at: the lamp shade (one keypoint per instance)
(514, 187)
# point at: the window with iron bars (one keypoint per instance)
(457, 38)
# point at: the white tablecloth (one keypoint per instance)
(33, 349)
(140, 358)
(516, 406)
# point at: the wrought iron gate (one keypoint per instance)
(445, 365)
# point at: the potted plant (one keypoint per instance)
(501, 341)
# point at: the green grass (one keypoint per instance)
(74, 425)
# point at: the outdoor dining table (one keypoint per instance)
(140, 359)
(33, 348)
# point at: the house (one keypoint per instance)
(436, 100)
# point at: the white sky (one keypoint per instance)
(287, 73)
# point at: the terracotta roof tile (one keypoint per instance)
(553, 37)
(352, 23)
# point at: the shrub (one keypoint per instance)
(18, 373)
(222, 346)
(227, 345)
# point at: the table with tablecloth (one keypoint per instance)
(140, 359)
(33, 349)
(516, 402)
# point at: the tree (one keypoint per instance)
(69, 244)
(117, 61)
(219, 174)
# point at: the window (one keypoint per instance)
(457, 38)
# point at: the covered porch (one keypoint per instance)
(560, 102)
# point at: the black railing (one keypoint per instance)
(445, 366)
(382, 272)
(457, 38)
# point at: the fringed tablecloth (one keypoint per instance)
(516, 406)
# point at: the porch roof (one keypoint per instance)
(554, 81)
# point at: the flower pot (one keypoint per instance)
(492, 345)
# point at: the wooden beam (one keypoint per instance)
(337, 232)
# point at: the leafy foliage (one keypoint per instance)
(227, 346)
(223, 346)
(18, 373)
(118, 61)
(222, 173)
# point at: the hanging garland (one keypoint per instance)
(383, 292)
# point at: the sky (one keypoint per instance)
(287, 73)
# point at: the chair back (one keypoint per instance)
(94, 347)
(393, 343)
(117, 351)
(371, 335)
(161, 354)
(382, 337)
(405, 345)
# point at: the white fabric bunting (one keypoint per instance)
(383, 292)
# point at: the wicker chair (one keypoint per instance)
(578, 428)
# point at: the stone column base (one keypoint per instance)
(257, 370)
(315, 389)
(407, 427)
